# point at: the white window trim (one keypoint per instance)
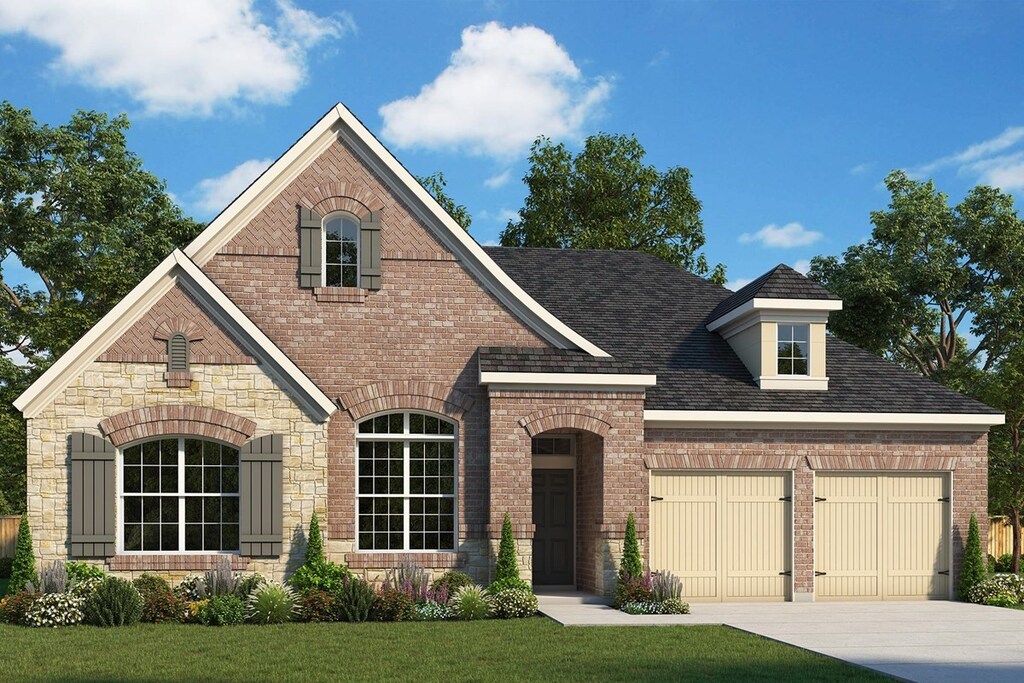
(798, 375)
(406, 437)
(181, 495)
(323, 248)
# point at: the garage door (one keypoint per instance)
(882, 537)
(725, 535)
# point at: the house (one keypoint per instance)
(335, 342)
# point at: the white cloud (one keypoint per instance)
(502, 88)
(860, 169)
(188, 57)
(658, 58)
(802, 266)
(738, 284)
(784, 236)
(491, 243)
(214, 194)
(499, 180)
(998, 161)
(500, 216)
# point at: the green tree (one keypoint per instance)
(23, 569)
(632, 564)
(435, 185)
(315, 542)
(507, 566)
(929, 273)
(972, 570)
(78, 211)
(605, 197)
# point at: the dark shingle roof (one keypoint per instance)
(781, 282)
(516, 359)
(651, 316)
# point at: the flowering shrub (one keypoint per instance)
(392, 605)
(193, 608)
(450, 581)
(666, 586)
(162, 606)
(55, 609)
(511, 583)
(317, 606)
(1001, 600)
(14, 608)
(272, 604)
(191, 589)
(470, 603)
(513, 603)
(670, 606)
(432, 611)
(409, 578)
(634, 589)
(248, 583)
(222, 610)
(151, 583)
(1000, 587)
(83, 588)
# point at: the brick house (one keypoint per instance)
(335, 342)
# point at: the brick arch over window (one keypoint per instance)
(380, 397)
(144, 423)
(339, 196)
(572, 417)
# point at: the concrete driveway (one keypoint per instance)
(916, 641)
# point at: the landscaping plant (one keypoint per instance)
(507, 566)
(410, 579)
(272, 604)
(451, 581)
(220, 580)
(632, 563)
(191, 589)
(999, 588)
(470, 603)
(314, 542)
(513, 583)
(55, 609)
(972, 571)
(634, 589)
(324, 576)
(222, 610)
(432, 611)
(151, 583)
(14, 608)
(355, 600)
(666, 586)
(393, 605)
(115, 602)
(83, 570)
(249, 583)
(161, 606)
(53, 578)
(23, 569)
(513, 603)
(319, 606)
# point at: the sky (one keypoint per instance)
(788, 114)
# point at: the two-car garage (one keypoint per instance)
(729, 535)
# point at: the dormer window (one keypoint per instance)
(793, 346)
(177, 353)
(341, 250)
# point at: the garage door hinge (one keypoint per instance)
(788, 572)
(654, 499)
(820, 573)
(819, 500)
(945, 572)
(788, 499)
(944, 500)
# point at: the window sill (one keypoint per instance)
(387, 560)
(171, 562)
(344, 295)
(793, 382)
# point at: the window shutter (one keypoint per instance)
(177, 353)
(310, 248)
(261, 496)
(92, 496)
(369, 251)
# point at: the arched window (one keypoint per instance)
(341, 250)
(177, 353)
(406, 482)
(179, 494)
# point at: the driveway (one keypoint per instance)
(916, 641)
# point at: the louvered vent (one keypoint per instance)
(177, 353)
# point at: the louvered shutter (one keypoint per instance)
(261, 496)
(369, 251)
(92, 496)
(177, 353)
(310, 248)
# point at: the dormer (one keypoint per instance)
(776, 325)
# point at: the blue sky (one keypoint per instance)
(789, 115)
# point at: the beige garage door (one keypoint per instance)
(726, 535)
(882, 536)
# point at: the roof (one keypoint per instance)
(781, 282)
(654, 322)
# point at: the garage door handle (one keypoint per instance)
(820, 573)
(788, 572)
(945, 572)
(655, 499)
(819, 500)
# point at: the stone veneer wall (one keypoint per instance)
(106, 389)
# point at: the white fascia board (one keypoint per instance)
(97, 339)
(758, 419)
(315, 397)
(576, 380)
(340, 122)
(761, 304)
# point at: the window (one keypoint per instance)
(177, 353)
(341, 250)
(552, 445)
(793, 344)
(179, 494)
(406, 482)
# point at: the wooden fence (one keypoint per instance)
(8, 534)
(1000, 537)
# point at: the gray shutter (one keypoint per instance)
(92, 496)
(177, 353)
(369, 251)
(310, 248)
(261, 496)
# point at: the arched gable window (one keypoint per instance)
(341, 250)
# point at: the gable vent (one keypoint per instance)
(177, 353)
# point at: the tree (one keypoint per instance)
(928, 272)
(80, 213)
(23, 568)
(632, 564)
(315, 542)
(606, 198)
(507, 566)
(435, 184)
(972, 570)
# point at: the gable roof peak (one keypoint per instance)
(781, 282)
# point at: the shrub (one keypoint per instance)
(318, 606)
(470, 603)
(315, 542)
(392, 605)
(508, 584)
(1011, 585)
(83, 570)
(6, 564)
(1003, 563)
(632, 565)
(115, 602)
(513, 603)
(450, 581)
(410, 579)
(151, 583)
(666, 586)
(675, 606)
(634, 589)
(14, 608)
(1001, 600)
(355, 600)
(193, 608)
(991, 564)
(220, 580)
(248, 583)
(23, 568)
(55, 609)
(53, 578)
(432, 611)
(507, 566)
(221, 610)
(161, 606)
(972, 571)
(325, 576)
(83, 588)
(272, 604)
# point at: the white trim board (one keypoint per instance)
(555, 381)
(340, 123)
(756, 419)
(175, 269)
(779, 305)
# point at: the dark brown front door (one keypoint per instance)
(553, 517)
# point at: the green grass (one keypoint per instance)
(528, 649)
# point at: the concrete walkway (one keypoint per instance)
(915, 641)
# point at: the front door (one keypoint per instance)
(553, 540)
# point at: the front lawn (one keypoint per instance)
(527, 649)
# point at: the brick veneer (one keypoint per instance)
(566, 417)
(406, 395)
(154, 421)
(965, 453)
(173, 563)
